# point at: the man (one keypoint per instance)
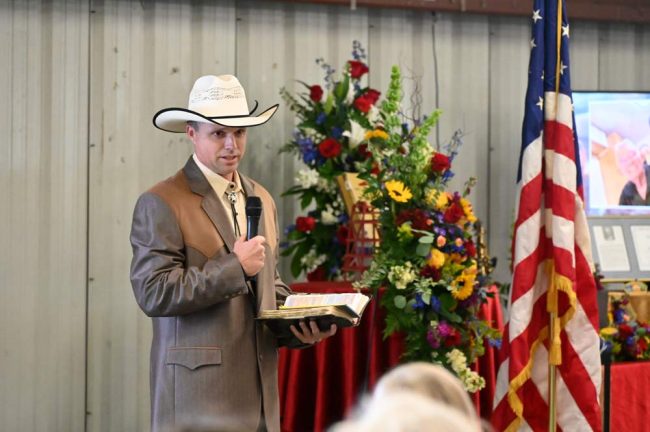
(631, 163)
(202, 283)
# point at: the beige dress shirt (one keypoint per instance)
(222, 187)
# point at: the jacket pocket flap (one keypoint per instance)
(193, 357)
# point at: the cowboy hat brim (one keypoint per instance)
(175, 119)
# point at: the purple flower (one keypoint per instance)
(495, 343)
(419, 303)
(435, 304)
(433, 339)
(337, 132)
(447, 175)
(619, 315)
(310, 157)
(320, 119)
(444, 329)
(289, 228)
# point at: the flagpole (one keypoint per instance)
(552, 394)
(553, 330)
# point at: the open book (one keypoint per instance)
(344, 310)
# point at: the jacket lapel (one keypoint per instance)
(211, 204)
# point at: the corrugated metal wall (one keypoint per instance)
(43, 205)
(78, 87)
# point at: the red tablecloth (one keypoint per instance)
(629, 405)
(319, 385)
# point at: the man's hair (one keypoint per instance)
(194, 124)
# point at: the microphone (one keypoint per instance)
(253, 212)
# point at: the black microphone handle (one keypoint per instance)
(251, 226)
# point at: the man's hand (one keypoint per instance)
(250, 254)
(312, 334)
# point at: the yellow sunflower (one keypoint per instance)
(377, 133)
(398, 191)
(608, 331)
(468, 210)
(439, 200)
(463, 286)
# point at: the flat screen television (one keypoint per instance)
(613, 130)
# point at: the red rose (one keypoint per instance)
(315, 93)
(362, 104)
(625, 331)
(375, 170)
(305, 223)
(439, 163)
(319, 274)
(470, 248)
(453, 213)
(453, 339)
(372, 95)
(430, 272)
(357, 69)
(329, 148)
(417, 217)
(363, 151)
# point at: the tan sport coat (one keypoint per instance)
(210, 360)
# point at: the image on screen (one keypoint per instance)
(613, 130)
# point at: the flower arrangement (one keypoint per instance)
(332, 124)
(625, 337)
(426, 264)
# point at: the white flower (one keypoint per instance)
(323, 185)
(457, 360)
(373, 115)
(356, 134)
(472, 381)
(349, 98)
(310, 132)
(310, 261)
(328, 216)
(307, 178)
(401, 276)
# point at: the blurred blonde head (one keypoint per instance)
(431, 380)
(407, 411)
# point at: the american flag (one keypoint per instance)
(552, 265)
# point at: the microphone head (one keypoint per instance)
(253, 206)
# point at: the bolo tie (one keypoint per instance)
(232, 198)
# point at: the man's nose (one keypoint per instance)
(229, 142)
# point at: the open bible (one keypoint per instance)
(343, 309)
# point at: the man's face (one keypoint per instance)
(220, 148)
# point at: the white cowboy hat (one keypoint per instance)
(213, 99)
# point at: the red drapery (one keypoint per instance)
(629, 405)
(319, 385)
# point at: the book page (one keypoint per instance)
(357, 302)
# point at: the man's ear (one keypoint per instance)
(189, 130)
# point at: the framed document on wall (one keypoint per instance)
(621, 247)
